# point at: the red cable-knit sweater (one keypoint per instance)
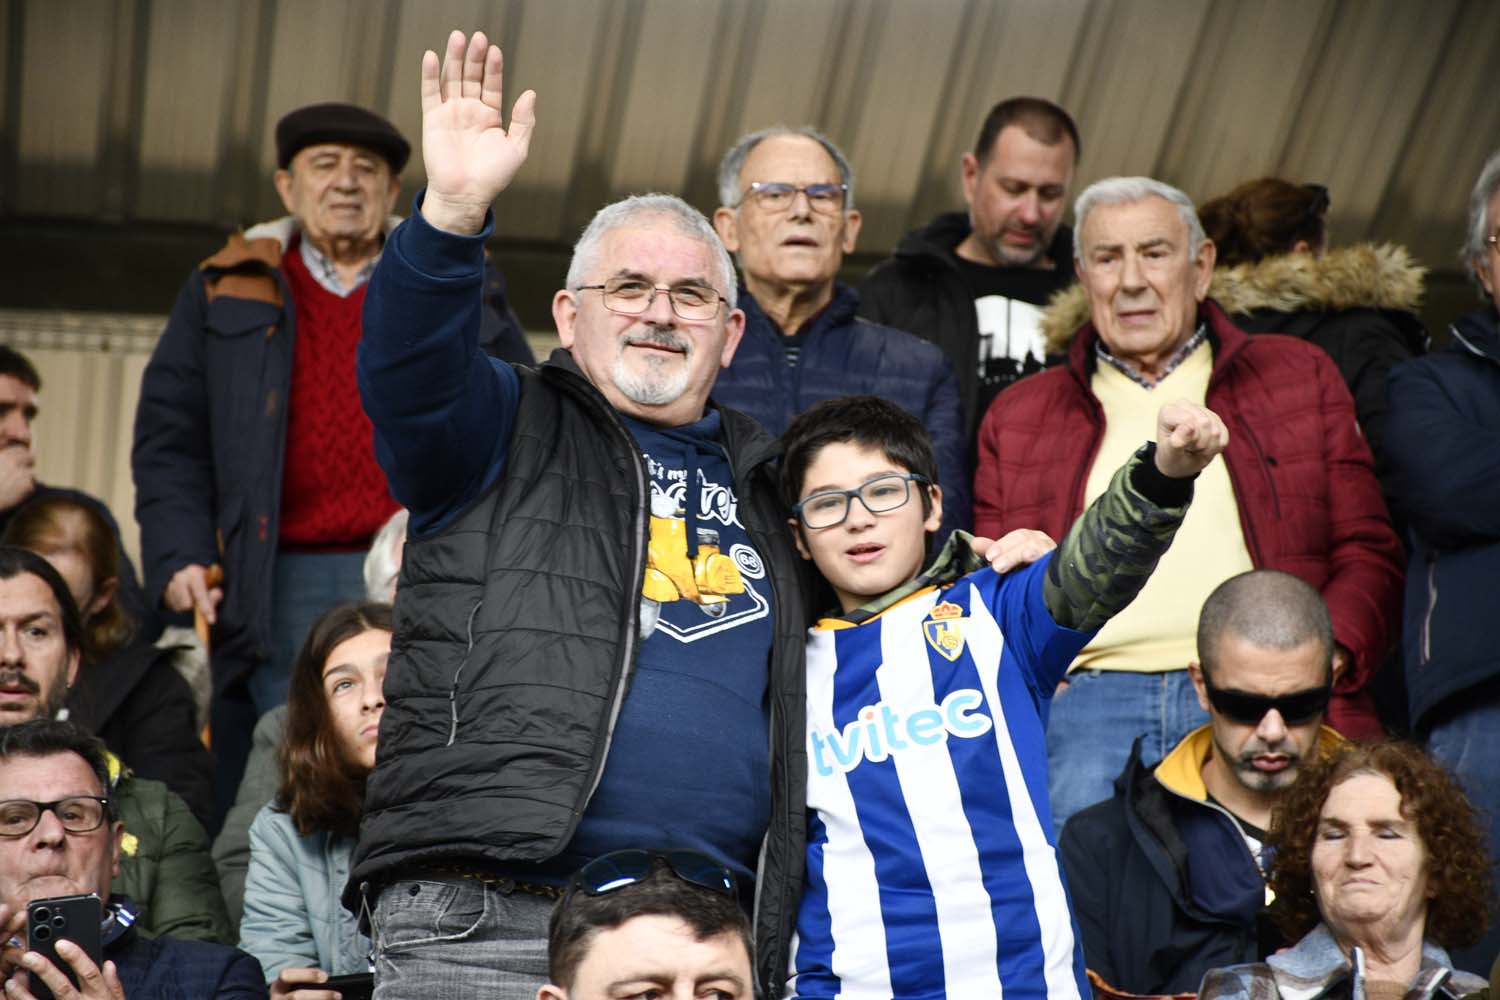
(333, 494)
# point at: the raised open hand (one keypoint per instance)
(470, 156)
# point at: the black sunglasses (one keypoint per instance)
(1296, 708)
(618, 869)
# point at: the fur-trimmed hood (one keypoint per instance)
(1366, 275)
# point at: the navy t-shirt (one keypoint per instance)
(689, 765)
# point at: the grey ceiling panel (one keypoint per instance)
(162, 110)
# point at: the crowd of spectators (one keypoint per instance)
(1012, 624)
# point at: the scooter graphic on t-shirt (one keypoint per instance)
(707, 579)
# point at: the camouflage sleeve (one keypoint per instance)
(1111, 550)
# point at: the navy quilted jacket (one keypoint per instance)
(843, 355)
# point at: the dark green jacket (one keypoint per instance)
(164, 861)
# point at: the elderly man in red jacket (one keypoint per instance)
(1295, 491)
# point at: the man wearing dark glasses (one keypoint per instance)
(1166, 876)
(645, 923)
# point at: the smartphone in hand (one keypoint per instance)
(355, 986)
(72, 918)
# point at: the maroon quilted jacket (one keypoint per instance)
(1302, 475)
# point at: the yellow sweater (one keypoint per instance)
(1158, 630)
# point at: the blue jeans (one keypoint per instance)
(1095, 719)
(1467, 743)
(458, 939)
(305, 585)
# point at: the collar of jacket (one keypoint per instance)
(955, 559)
(838, 312)
(120, 774)
(263, 244)
(1478, 333)
(745, 442)
(1225, 339)
(1316, 964)
(939, 239)
(1366, 275)
(1181, 771)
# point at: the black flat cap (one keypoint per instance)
(347, 123)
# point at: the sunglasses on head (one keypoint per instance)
(1295, 708)
(618, 869)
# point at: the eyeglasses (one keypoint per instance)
(1296, 709)
(1493, 241)
(618, 869)
(632, 297)
(880, 495)
(777, 196)
(77, 814)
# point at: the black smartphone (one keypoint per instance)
(76, 918)
(355, 986)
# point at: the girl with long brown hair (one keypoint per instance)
(300, 844)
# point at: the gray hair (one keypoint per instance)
(1127, 191)
(382, 562)
(639, 208)
(1268, 609)
(1480, 222)
(734, 161)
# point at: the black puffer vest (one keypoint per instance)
(515, 643)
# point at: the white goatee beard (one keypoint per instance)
(653, 387)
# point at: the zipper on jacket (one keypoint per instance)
(1265, 467)
(775, 963)
(1432, 596)
(453, 691)
(632, 623)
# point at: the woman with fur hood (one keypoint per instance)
(1275, 274)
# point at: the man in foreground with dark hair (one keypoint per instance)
(641, 922)
(1166, 876)
(974, 282)
(60, 836)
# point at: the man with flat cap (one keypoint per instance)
(252, 453)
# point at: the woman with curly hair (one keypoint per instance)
(300, 844)
(1378, 865)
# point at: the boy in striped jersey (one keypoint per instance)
(931, 869)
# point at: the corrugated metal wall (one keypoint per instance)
(161, 111)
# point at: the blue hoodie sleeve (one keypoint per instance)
(443, 411)
(945, 425)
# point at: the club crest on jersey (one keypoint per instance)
(944, 629)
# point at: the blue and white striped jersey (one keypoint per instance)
(931, 871)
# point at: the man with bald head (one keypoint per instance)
(786, 210)
(1295, 490)
(1166, 876)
